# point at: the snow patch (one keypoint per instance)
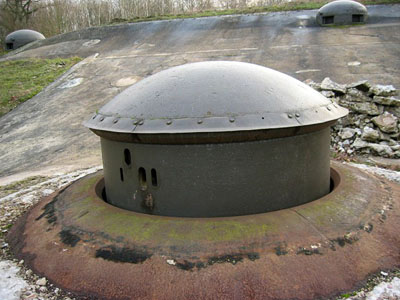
(388, 174)
(11, 285)
(386, 290)
(30, 194)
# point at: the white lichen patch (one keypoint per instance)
(91, 43)
(71, 83)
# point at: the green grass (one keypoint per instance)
(347, 295)
(290, 6)
(23, 79)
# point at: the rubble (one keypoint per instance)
(383, 90)
(369, 134)
(390, 101)
(372, 125)
(328, 85)
(386, 123)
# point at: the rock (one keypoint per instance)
(328, 85)
(171, 262)
(314, 85)
(395, 136)
(365, 108)
(386, 122)
(328, 94)
(394, 110)
(42, 281)
(397, 154)
(370, 135)
(384, 150)
(348, 120)
(354, 95)
(395, 148)
(389, 101)
(359, 144)
(335, 100)
(362, 85)
(383, 90)
(347, 133)
(346, 143)
(28, 272)
(384, 136)
(43, 289)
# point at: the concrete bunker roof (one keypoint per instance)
(213, 97)
(24, 35)
(343, 7)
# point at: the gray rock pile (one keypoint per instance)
(372, 125)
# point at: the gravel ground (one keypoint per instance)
(19, 282)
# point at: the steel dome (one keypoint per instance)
(213, 97)
(343, 7)
(22, 37)
(342, 12)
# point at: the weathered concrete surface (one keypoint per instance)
(312, 251)
(45, 133)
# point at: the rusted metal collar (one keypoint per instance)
(319, 249)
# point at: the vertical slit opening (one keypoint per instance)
(121, 174)
(154, 177)
(9, 46)
(127, 156)
(142, 178)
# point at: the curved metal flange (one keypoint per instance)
(213, 97)
(314, 250)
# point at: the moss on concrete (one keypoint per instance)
(345, 209)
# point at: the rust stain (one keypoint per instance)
(114, 254)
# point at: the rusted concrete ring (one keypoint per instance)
(319, 249)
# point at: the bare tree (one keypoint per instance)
(20, 10)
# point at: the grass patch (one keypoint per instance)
(8, 189)
(290, 6)
(23, 79)
(347, 295)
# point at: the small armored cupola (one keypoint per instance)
(215, 139)
(22, 37)
(342, 12)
